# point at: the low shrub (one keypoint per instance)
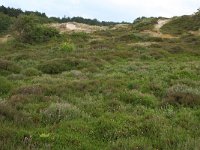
(183, 95)
(106, 129)
(31, 72)
(30, 90)
(67, 47)
(56, 66)
(158, 54)
(10, 113)
(135, 97)
(52, 67)
(144, 23)
(175, 49)
(60, 111)
(134, 37)
(9, 66)
(5, 85)
(80, 36)
(15, 77)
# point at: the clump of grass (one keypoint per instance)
(10, 113)
(57, 66)
(5, 85)
(183, 95)
(31, 72)
(30, 90)
(79, 37)
(52, 67)
(9, 66)
(67, 47)
(135, 97)
(60, 111)
(158, 54)
(15, 77)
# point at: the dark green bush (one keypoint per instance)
(5, 23)
(56, 66)
(52, 67)
(29, 30)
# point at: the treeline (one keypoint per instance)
(83, 20)
(12, 12)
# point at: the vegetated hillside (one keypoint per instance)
(118, 88)
(183, 24)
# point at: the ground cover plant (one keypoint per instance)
(112, 89)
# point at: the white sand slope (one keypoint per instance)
(77, 27)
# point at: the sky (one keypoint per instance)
(108, 10)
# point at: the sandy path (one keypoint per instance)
(4, 39)
(160, 24)
(156, 31)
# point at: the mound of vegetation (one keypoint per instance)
(29, 30)
(111, 89)
(5, 23)
(183, 95)
(183, 24)
(144, 23)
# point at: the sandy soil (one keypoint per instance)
(77, 27)
(156, 32)
(161, 22)
(4, 39)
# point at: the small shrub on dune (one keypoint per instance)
(30, 90)
(12, 114)
(80, 36)
(67, 47)
(158, 54)
(135, 97)
(15, 77)
(60, 111)
(31, 72)
(57, 66)
(52, 67)
(9, 66)
(183, 95)
(5, 85)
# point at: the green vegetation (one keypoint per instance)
(183, 24)
(5, 23)
(144, 23)
(28, 30)
(111, 89)
(12, 12)
(67, 47)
